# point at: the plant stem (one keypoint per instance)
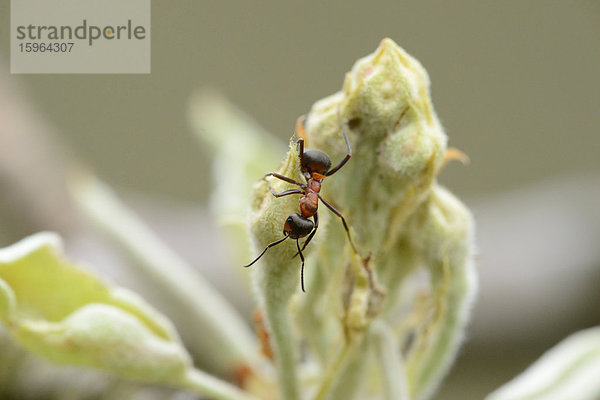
(333, 372)
(282, 340)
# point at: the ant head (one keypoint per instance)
(315, 161)
(296, 226)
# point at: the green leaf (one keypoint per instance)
(67, 315)
(570, 370)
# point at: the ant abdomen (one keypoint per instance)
(296, 226)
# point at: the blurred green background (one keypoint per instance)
(515, 84)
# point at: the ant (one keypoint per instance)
(315, 166)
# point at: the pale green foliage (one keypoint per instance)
(570, 370)
(385, 322)
(68, 316)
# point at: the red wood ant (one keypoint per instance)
(315, 166)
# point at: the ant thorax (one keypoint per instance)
(314, 185)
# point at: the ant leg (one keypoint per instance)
(302, 135)
(283, 178)
(316, 218)
(341, 164)
(339, 214)
(286, 192)
(300, 143)
(302, 269)
(266, 248)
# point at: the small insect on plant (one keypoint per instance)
(315, 166)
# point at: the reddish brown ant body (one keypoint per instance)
(315, 166)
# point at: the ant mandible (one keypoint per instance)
(315, 166)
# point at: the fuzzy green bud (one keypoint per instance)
(401, 220)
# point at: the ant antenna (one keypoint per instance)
(267, 248)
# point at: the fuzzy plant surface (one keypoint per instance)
(388, 318)
(380, 319)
